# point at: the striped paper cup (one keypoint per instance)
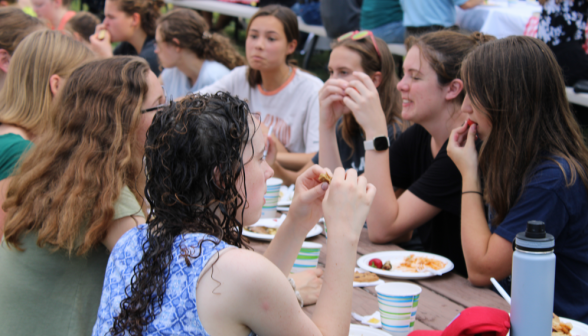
(272, 196)
(307, 257)
(398, 303)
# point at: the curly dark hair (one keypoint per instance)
(194, 163)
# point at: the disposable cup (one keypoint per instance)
(398, 303)
(307, 257)
(272, 196)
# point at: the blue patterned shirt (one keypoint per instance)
(178, 314)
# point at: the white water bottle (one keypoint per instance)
(533, 282)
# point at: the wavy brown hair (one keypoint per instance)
(444, 50)
(517, 83)
(191, 32)
(149, 10)
(389, 96)
(289, 22)
(69, 182)
(26, 97)
(194, 160)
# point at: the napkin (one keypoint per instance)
(270, 222)
(372, 320)
(366, 284)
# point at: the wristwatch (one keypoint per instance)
(379, 143)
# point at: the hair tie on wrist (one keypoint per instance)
(472, 192)
(298, 296)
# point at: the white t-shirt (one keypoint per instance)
(292, 109)
(177, 84)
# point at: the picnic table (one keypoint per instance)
(442, 298)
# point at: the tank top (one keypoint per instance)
(178, 314)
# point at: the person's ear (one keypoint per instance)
(58, 3)
(55, 83)
(4, 60)
(292, 47)
(77, 37)
(454, 89)
(136, 20)
(377, 78)
(176, 44)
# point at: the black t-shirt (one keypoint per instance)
(147, 52)
(436, 181)
(356, 158)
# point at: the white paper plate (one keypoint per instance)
(360, 330)
(396, 258)
(316, 230)
(579, 328)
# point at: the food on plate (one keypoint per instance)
(559, 328)
(376, 263)
(365, 277)
(324, 177)
(102, 34)
(418, 264)
(262, 230)
(387, 266)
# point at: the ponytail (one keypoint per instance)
(191, 32)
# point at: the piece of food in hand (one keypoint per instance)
(102, 34)
(365, 277)
(324, 177)
(377, 263)
(559, 328)
(387, 266)
(470, 122)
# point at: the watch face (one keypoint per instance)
(381, 143)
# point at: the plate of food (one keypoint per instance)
(268, 233)
(360, 330)
(561, 326)
(405, 264)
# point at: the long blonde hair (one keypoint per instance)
(67, 185)
(26, 97)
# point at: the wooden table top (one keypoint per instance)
(442, 298)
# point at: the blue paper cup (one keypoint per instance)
(398, 303)
(307, 258)
(272, 196)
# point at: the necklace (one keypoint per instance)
(289, 73)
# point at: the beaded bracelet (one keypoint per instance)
(298, 296)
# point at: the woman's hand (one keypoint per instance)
(364, 101)
(309, 284)
(462, 150)
(331, 102)
(101, 47)
(347, 203)
(306, 208)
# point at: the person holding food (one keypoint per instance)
(206, 180)
(132, 23)
(533, 164)
(341, 137)
(284, 96)
(417, 164)
(72, 197)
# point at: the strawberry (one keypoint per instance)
(377, 263)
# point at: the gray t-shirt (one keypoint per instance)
(177, 84)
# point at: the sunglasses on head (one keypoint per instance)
(358, 35)
(168, 103)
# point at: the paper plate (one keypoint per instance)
(316, 230)
(396, 258)
(360, 330)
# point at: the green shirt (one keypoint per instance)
(376, 13)
(52, 293)
(12, 147)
